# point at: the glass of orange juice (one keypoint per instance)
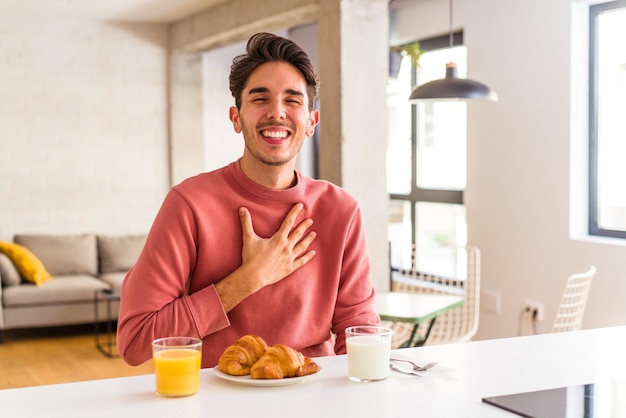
(177, 365)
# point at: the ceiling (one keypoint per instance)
(162, 11)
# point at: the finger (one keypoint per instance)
(300, 230)
(290, 219)
(246, 222)
(304, 244)
(300, 261)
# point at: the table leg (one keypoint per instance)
(109, 329)
(409, 342)
(107, 346)
(96, 330)
(415, 340)
(428, 330)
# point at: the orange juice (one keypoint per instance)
(177, 371)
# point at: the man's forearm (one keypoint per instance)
(234, 288)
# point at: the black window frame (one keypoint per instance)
(594, 228)
(418, 194)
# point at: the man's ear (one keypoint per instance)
(314, 119)
(233, 115)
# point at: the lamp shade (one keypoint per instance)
(453, 88)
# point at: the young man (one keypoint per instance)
(254, 247)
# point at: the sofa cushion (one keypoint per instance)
(8, 272)
(67, 289)
(114, 279)
(118, 254)
(27, 263)
(63, 254)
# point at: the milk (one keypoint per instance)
(368, 357)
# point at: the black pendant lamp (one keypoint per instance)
(451, 87)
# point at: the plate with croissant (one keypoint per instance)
(250, 361)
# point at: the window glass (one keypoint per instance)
(611, 120)
(442, 126)
(399, 233)
(426, 166)
(432, 63)
(440, 230)
(441, 146)
(399, 137)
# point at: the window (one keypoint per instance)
(607, 119)
(426, 164)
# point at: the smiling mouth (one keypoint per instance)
(275, 136)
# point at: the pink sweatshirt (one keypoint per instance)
(196, 241)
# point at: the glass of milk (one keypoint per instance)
(369, 349)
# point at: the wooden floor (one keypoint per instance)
(57, 355)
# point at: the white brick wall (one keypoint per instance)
(83, 126)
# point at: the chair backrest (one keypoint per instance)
(569, 316)
(457, 325)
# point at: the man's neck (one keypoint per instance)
(272, 177)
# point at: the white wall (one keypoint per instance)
(520, 184)
(84, 132)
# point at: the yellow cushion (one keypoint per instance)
(29, 266)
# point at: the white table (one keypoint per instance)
(467, 372)
(414, 308)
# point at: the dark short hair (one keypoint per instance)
(266, 47)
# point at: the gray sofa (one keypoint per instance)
(79, 265)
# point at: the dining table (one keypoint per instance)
(467, 375)
(415, 308)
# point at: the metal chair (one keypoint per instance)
(457, 325)
(569, 316)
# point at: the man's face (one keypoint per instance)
(274, 115)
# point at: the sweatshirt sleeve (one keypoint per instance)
(355, 298)
(154, 301)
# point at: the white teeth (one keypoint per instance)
(275, 134)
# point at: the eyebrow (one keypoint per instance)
(265, 90)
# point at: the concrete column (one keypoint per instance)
(186, 116)
(353, 56)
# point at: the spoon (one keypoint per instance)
(417, 367)
(401, 370)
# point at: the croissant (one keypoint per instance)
(239, 357)
(281, 361)
(309, 367)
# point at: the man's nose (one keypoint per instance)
(276, 110)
